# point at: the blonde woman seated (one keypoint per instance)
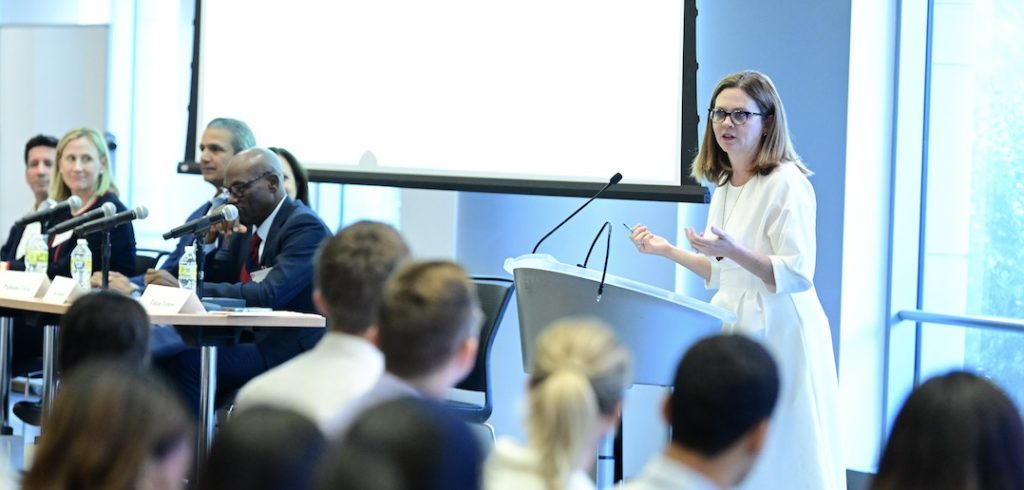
(580, 372)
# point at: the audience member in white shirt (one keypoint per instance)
(579, 375)
(724, 392)
(349, 275)
(428, 332)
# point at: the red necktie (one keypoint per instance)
(253, 261)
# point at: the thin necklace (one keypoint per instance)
(735, 204)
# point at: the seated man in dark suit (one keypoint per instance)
(268, 262)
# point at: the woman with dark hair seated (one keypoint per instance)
(113, 427)
(105, 325)
(404, 444)
(264, 448)
(957, 432)
(296, 179)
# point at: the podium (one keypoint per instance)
(656, 325)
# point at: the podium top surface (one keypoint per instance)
(548, 263)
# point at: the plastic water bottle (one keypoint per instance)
(187, 268)
(81, 264)
(37, 254)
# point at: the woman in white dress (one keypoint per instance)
(580, 373)
(758, 251)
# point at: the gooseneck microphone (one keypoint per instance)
(203, 223)
(112, 222)
(72, 203)
(105, 211)
(614, 180)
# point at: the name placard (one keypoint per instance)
(164, 300)
(63, 290)
(23, 285)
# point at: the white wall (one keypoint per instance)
(52, 79)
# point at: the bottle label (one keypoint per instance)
(186, 271)
(82, 264)
(37, 258)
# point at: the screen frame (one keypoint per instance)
(689, 190)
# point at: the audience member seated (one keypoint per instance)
(40, 154)
(222, 139)
(296, 180)
(268, 262)
(112, 427)
(404, 444)
(957, 431)
(724, 392)
(579, 375)
(105, 325)
(427, 330)
(351, 268)
(264, 448)
(83, 170)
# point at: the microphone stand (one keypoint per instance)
(200, 262)
(614, 180)
(106, 258)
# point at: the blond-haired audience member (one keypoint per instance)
(579, 375)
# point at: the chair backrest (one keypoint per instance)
(495, 293)
(148, 258)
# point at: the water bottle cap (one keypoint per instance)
(82, 241)
(190, 249)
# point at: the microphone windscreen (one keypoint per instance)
(141, 212)
(74, 202)
(46, 204)
(230, 212)
(616, 178)
(108, 209)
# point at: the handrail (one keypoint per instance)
(984, 322)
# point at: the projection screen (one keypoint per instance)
(527, 96)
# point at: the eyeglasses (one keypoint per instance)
(239, 189)
(738, 117)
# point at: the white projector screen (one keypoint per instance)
(528, 96)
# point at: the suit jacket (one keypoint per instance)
(13, 239)
(291, 243)
(122, 245)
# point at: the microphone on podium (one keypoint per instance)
(203, 223)
(614, 180)
(105, 211)
(112, 222)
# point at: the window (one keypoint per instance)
(973, 248)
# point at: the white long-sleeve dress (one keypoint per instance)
(774, 215)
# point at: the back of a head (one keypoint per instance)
(957, 431)
(351, 269)
(110, 423)
(429, 309)
(579, 376)
(404, 444)
(264, 448)
(724, 386)
(105, 325)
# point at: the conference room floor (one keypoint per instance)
(12, 448)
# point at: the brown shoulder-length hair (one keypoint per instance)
(712, 163)
(110, 420)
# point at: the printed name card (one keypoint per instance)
(23, 285)
(63, 290)
(164, 300)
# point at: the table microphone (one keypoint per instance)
(614, 180)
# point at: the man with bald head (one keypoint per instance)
(267, 261)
